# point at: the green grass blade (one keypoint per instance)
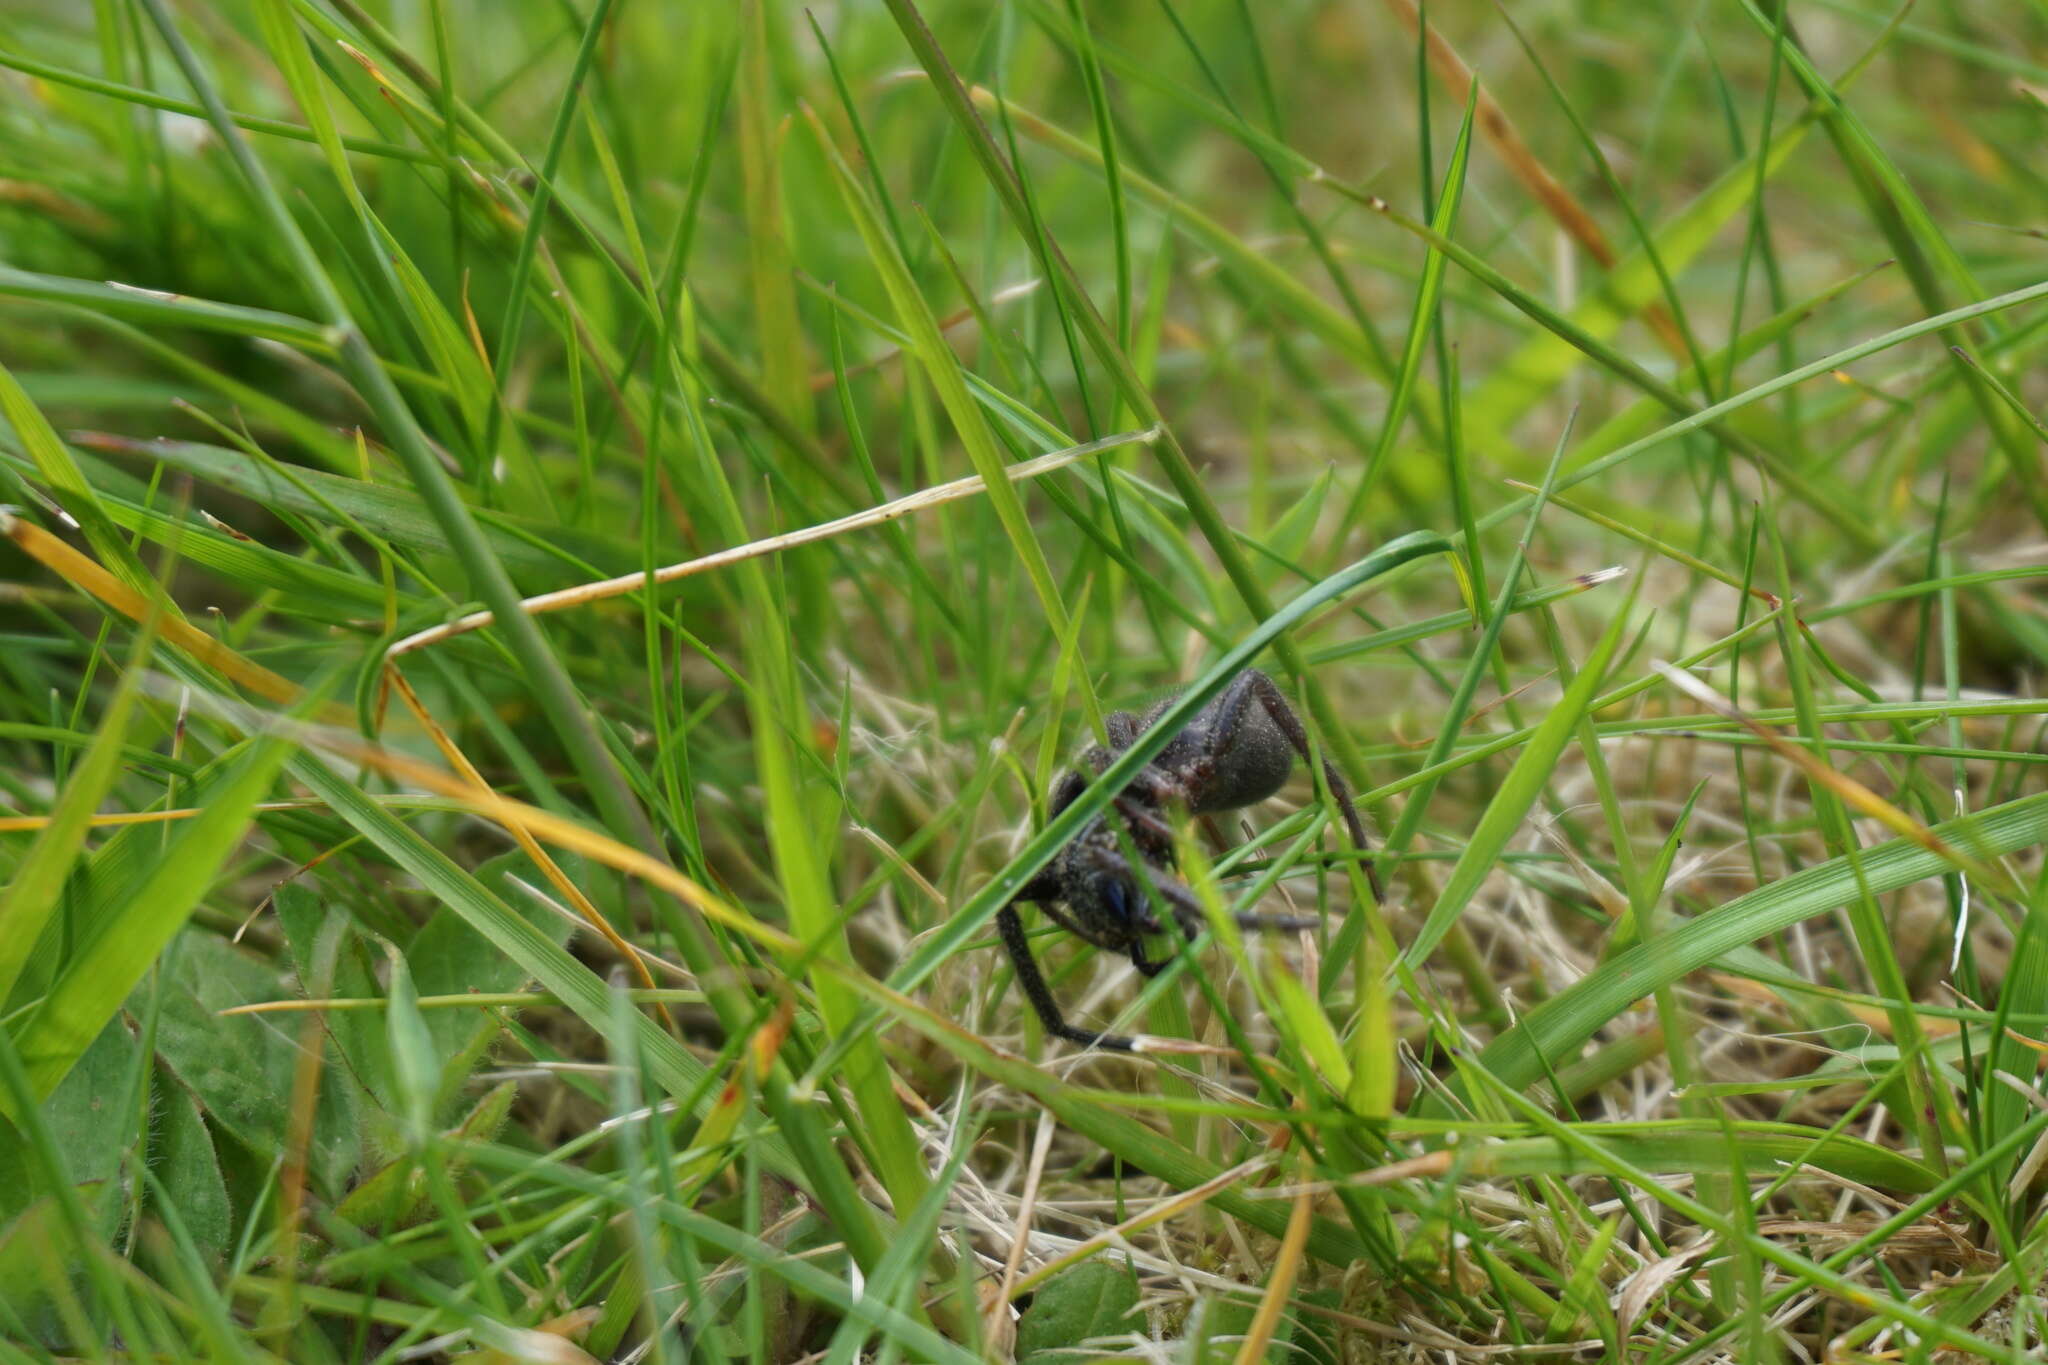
(1559, 1025)
(93, 982)
(36, 883)
(1517, 793)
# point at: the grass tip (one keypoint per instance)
(1694, 688)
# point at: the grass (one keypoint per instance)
(1617, 429)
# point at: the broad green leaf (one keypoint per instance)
(396, 1195)
(1091, 1301)
(241, 1068)
(357, 1036)
(449, 957)
(35, 1247)
(186, 1162)
(1221, 1324)
(510, 933)
(94, 982)
(91, 1123)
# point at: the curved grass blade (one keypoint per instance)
(168, 310)
(1554, 1030)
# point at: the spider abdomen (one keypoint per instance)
(1240, 768)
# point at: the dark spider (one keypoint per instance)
(1236, 751)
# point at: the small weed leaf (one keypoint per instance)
(1092, 1301)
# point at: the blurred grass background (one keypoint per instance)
(1617, 427)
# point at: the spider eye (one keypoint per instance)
(1117, 896)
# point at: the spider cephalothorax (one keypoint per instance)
(1235, 752)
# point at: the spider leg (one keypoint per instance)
(1039, 889)
(1073, 926)
(1151, 784)
(1132, 945)
(1149, 791)
(1256, 684)
(1141, 816)
(1286, 924)
(1123, 729)
(1011, 927)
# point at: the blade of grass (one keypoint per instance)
(1517, 793)
(98, 975)
(1423, 320)
(1558, 1026)
(36, 883)
(928, 343)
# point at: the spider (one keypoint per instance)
(1236, 751)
